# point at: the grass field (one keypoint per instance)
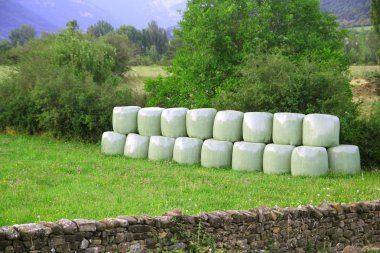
(136, 76)
(46, 179)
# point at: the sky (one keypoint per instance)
(117, 12)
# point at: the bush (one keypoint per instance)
(64, 85)
(272, 82)
(364, 132)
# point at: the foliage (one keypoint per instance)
(99, 29)
(362, 46)
(64, 85)
(218, 35)
(154, 36)
(40, 176)
(375, 15)
(124, 50)
(364, 132)
(272, 82)
(20, 36)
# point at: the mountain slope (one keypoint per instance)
(350, 13)
(14, 15)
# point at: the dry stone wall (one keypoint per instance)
(328, 228)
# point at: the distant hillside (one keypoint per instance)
(350, 13)
(14, 15)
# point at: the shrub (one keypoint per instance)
(64, 85)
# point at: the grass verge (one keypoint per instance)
(46, 179)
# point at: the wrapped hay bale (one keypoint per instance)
(247, 156)
(344, 159)
(287, 128)
(199, 123)
(187, 150)
(216, 154)
(228, 126)
(257, 127)
(276, 159)
(136, 146)
(112, 143)
(124, 119)
(161, 148)
(309, 161)
(320, 130)
(149, 121)
(173, 122)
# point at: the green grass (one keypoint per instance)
(137, 74)
(46, 179)
(363, 71)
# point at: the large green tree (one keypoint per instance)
(99, 29)
(20, 36)
(218, 36)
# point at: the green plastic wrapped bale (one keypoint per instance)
(112, 143)
(321, 130)
(257, 127)
(309, 161)
(287, 128)
(149, 121)
(136, 146)
(277, 158)
(216, 154)
(344, 159)
(199, 123)
(187, 150)
(173, 122)
(124, 119)
(247, 156)
(228, 126)
(161, 148)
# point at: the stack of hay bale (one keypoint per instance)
(303, 145)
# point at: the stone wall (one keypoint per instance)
(327, 228)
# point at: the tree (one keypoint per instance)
(133, 34)
(375, 15)
(99, 29)
(72, 25)
(218, 35)
(20, 36)
(154, 36)
(124, 50)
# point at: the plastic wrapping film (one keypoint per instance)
(216, 154)
(200, 122)
(124, 119)
(187, 150)
(309, 161)
(276, 159)
(320, 130)
(247, 156)
(257, 127)
(112, 143)
(344, 159)
(287, 128)
(228, 126)
(161, 148)
(136, 146)
(149, 121)
(173, 122)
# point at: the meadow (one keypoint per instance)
(46, 179)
